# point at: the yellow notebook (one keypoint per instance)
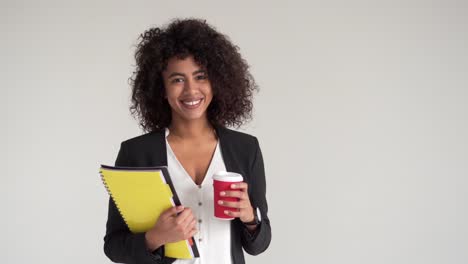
(141, 194)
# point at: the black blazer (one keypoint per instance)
(241, 153)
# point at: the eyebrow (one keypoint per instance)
(181, 74)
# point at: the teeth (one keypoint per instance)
(192, 102)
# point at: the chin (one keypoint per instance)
(190, 116)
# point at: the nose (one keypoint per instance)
(190, 86)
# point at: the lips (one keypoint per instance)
(194, 102)
(191, 103)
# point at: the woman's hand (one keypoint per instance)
(245, 212)
(171, 227)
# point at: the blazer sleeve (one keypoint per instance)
(259, 241)
(122, 246)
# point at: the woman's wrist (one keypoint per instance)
(254, 218)
(250, 217)
(152, 243)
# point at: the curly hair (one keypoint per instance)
(232, 83)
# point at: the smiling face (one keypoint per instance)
(188, 89)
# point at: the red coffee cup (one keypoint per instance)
(222, 181)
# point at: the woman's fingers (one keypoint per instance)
(173, 211)
(240, 185)
(189, 223)
(236, 194)
(175, 224)
(240, 194)
(240, 204)
(229, 204)
(191, 233)
(191, 227)
(184, 218)
(240, 191)
(233, 213)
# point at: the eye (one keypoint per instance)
(177, 80)
(201, 77)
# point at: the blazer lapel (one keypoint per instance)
(228, 151)
(156, 149)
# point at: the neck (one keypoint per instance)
(190, 130)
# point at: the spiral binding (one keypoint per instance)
(112, 197)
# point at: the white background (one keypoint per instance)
(362, 117)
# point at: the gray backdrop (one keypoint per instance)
(362, 117)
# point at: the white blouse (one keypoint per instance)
(213, 238)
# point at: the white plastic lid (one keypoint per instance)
(227, 176)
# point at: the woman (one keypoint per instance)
(190, 83)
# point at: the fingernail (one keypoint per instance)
(233, 186)
(222, 193)
(226, 211)
(220, 202)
